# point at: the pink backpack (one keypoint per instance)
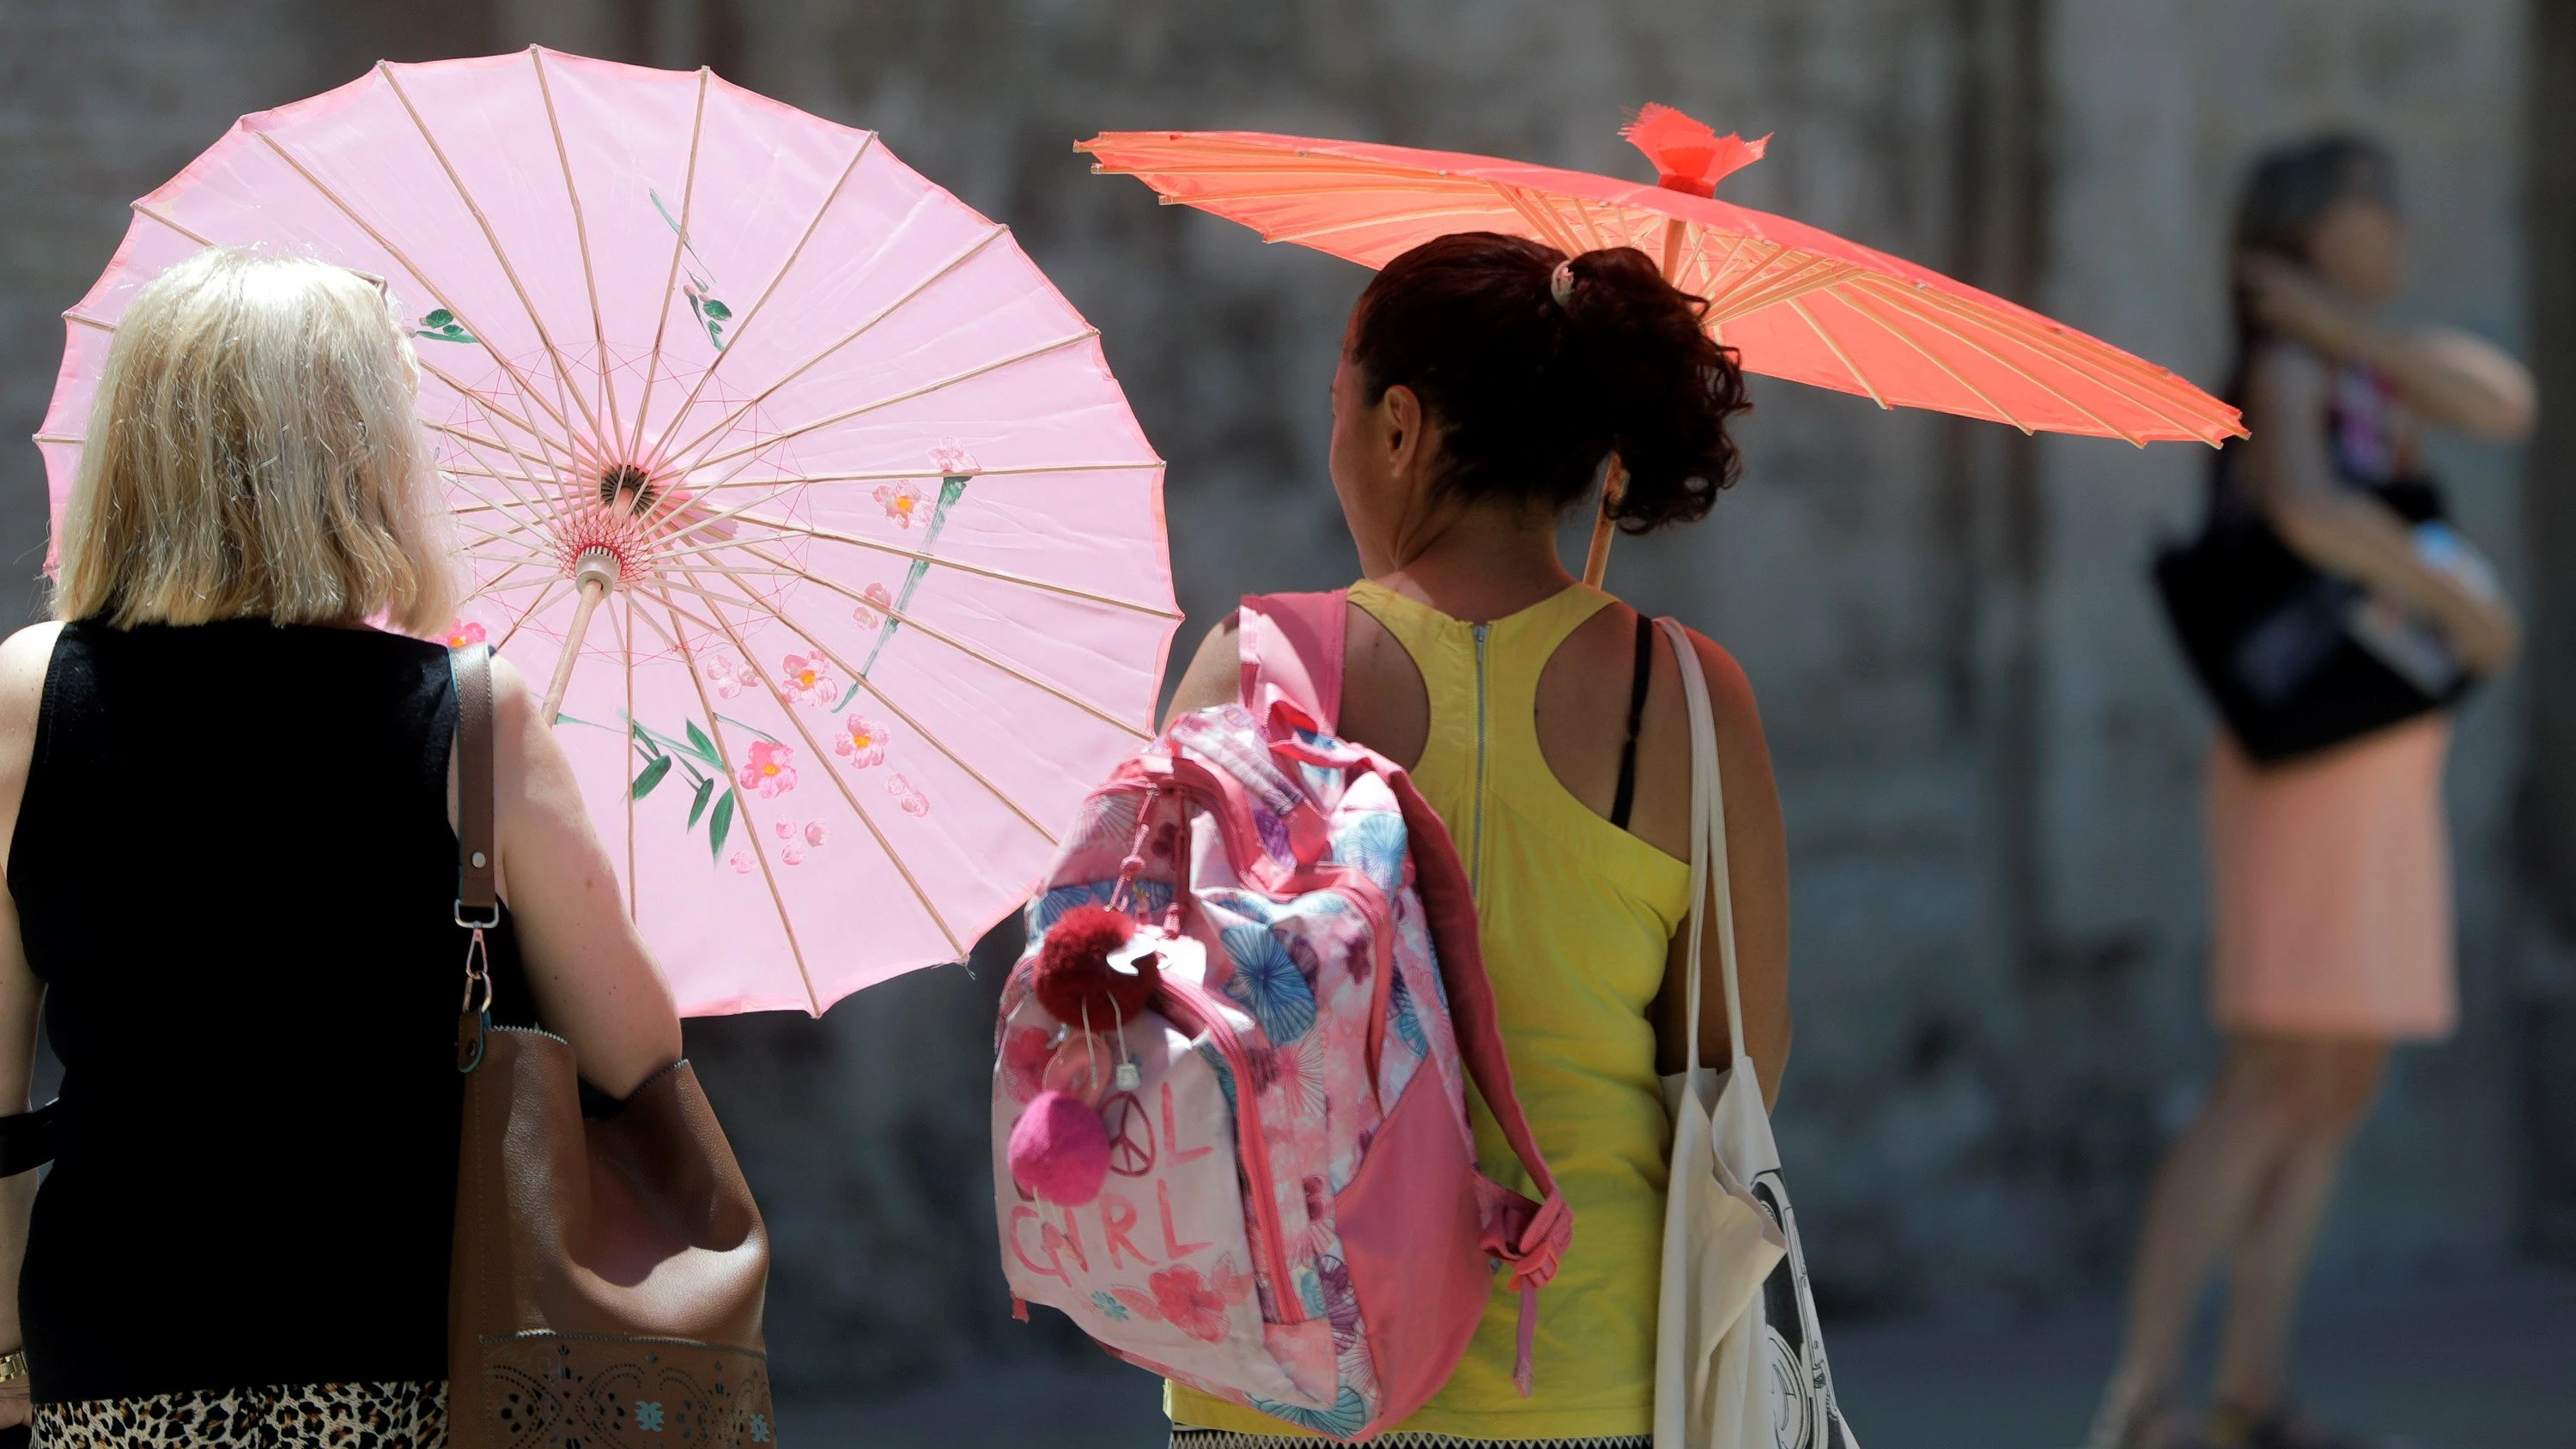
(1241, 1158)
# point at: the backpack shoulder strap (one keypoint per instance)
(1291, 647)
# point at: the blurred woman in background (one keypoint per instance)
(1484, 381)
(2330, 871)
(232, 888)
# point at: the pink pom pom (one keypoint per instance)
(1059, 1150)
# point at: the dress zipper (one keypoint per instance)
(1484, 747)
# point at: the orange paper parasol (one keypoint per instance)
(1794, 302)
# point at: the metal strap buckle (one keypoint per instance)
(493, 923)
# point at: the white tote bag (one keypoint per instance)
(1738, 1361)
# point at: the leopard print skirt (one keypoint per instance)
(406, 1415)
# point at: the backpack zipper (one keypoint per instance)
(1484, 747)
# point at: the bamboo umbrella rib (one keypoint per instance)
(1085, 335)
(1539, 218)
(1999, 360)
(1309, 233)
(1293, 193)
(462, 472)
(899, 712)
(581, 234)
(1901, 335)
(888, 475)
(1836, 349)
(2149, 392)
(978, 655)
(549, 506)
(759, 849)
(2098, 361)
(1591, 229)
(486, 402)
(1767, 288)
(61, 438)
(671, 280)
(1150, 173)
(1718, 270)
(702, 440)
(87, 320)
(171, 222)
(545, 338)
(482, 337)
(827, 535)
(701, 525)
(866, 144)
(1928, 320)
(528, 613)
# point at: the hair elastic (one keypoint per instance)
(1560, 283)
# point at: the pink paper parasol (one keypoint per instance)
(814, 501)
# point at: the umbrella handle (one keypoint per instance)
(1596, 562)
(596, 572)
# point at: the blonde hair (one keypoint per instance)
(253, 454)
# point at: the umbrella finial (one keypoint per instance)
(1689, 155)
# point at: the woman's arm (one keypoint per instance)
(24, 660)
(595, 983)
(1757, 868)
(2344, 532)
(2450, 377)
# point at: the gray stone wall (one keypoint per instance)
(1987, 750)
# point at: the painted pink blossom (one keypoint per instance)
(952, 459)
(807, 678)
(900, 501)
(880, 602)
(861, 743)
(815, 835)
(771, 769)
(464, 632)
(727, 676)
(792, 855)
(740, 860)
(785, 830)
(912, 800)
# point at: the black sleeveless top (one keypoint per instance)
(235, 876)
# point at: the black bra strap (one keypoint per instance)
(1643, 671)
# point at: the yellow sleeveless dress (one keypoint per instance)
(1577, 915)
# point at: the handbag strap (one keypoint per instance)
(478, 900)
(1708, 852)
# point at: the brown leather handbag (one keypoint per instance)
(608, 1275)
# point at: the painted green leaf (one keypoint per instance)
(718, 310)
(652, 775)
(698, 807)
(442, 319)
(705, 747)
(720, 826)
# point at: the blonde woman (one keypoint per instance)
(231, 886)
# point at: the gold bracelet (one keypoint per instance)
(13, 1366)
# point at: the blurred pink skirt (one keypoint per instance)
(2330, 895)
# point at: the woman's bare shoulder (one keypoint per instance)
(25, 658)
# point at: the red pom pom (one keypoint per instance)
(1059, 1150)
(1073, 971)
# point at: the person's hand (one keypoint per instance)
(2288, 298)
(17, 1404)
(2487, 636)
